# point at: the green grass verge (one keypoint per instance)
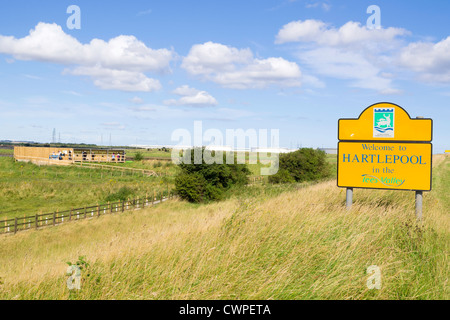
(28, 189)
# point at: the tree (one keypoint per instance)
(306, 164)
(208, 182)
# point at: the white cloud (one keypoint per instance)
(185, 90)
(350, 33)
(238, 69)
(123, 56)
(111, 79)
(137, 100)
(351, 52)
(430, 60)
(192, 97)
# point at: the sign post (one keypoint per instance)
(385, 149)
(419, 205)
(349, 198)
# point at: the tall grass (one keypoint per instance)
(293, 243)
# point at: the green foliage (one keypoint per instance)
(282, 176)
(208, 182)
(306, 164)
(139, 156)
(157, 164)
(81, 263)
(122, 194)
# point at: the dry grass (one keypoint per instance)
(301, 244)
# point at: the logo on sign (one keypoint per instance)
(383, 123)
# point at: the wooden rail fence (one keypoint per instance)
(117, 168)
(8, 226)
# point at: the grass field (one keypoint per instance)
(152, 153)
(266, 242)
(7, 151)
(28, 189)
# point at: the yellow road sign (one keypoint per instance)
(385, 165)
(385, 149)
(385, 122)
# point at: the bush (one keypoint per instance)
(282, 176)
(191, 187)
(139, 156)
(122, 194)
(157, 164)
(208, 182)
(302, 165)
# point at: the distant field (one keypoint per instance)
(152, 153)
(27, 189)
(266, 242)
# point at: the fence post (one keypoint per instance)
(36, 221)
(54, 218)
(15, 225)
(70, 214)
(85, 212)
(123, 205)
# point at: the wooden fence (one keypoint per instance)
(58, 217)
(117, 168)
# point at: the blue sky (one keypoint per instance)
(138, 70)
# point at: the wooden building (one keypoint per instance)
(67, 156)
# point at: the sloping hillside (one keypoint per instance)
(263, 244)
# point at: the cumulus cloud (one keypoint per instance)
(238, 68)
(192, 97)
(430, 60)
(112, 79)
(349, 34)
(123, 57)
(351, 52)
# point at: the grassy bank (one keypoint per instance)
(26, 188)
(266, 243)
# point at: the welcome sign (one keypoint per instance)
(385, 149)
